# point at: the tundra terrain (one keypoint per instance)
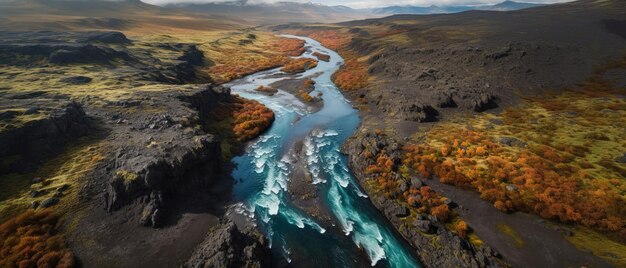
(487, 139)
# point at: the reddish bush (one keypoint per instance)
(352, 75)
(289, 46)
(251, 118)
(265, 89)
(461, 228)
(442, 212)
(31, 240)
(299, 65)
(322, 56)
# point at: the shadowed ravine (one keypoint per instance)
(357, 235)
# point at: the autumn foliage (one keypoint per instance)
(333, 39)
(421, 200)
(289, 46)
(322, 56)
(31, 239)
(251, 118)
(269, 90)
(240, 65)
(461, 228)
(244, 119)
(299, 65)
(352, 75)
(241, 62)
(308, 85)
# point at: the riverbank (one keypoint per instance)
(419, 90)
(99, 135)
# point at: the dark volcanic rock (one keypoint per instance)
(40, 139)
(227, 246)
(477, 100)
(76, 80)
(50, 202)
(189, 162)
(86, 54)
(107, 37)
(421, 113)
(425, 226)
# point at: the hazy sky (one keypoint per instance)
(373, 3)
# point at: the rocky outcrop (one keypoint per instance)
(169, 159)
(106, 37)
(155, 178)
(179, 66)
(184, 68)
(39, 139)
(435, 245)
(228, 246)
(83, 54)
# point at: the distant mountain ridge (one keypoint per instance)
(434, 9)
(279, 12)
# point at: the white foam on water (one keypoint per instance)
(331, 133)
(371, 246)
(360, 194)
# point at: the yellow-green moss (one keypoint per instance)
(511, 233)
(587, 239)
(127, 175)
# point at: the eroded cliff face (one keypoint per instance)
(226, 245)
(32, 141)
(168, 155)
(436, 246)
(133, 116)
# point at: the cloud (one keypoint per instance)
(369, 3)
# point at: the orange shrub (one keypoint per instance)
(461, 228)
(329, 38)
(265, 89)
(352, 75)
(31, 239)
(305, 96)
(289, 46)
(442, 212)
(299, 65)
(322, 56)
(540, 179)
(241, 64)
(251, 118)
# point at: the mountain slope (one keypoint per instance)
(128, 15)
(281, 12)
(434, 9)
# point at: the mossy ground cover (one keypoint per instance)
(34, 237)
(555, 155)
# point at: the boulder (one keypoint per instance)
(50, 202)
(512, 142)
(416, 182)
(425, 226)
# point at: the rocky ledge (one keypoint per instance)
(227, 246)
(30, 135)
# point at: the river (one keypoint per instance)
(358, 235)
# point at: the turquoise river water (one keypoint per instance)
(358, 235)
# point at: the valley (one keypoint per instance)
(223, 135)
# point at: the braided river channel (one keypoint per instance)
(356, 234)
